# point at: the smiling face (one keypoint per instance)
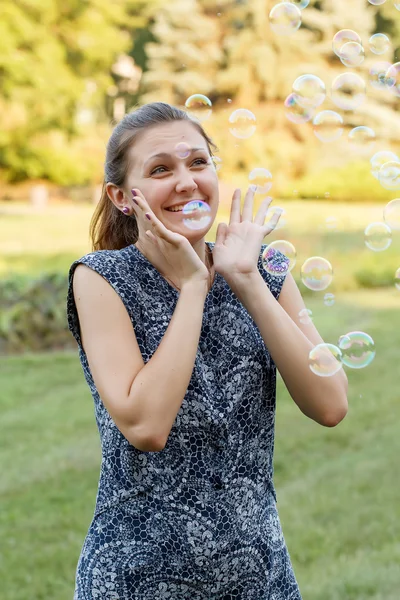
(175, 177)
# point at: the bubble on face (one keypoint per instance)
(348, 91)
(362, 138)
(196, 215)
(342, 37)
(285, 18)
(397, 279)
(329, 299)
(358, 349)
(182, 150)
(316, 273)
(243, 123)
(268, 258)
(379, 43)
(391, 214)
(199, 106)
(377, 74)
(310, 91)
(379, 159)
(328, 126)
(295, 112)
(352, 54)
(389, 175)
(392, 79)
(378, 236)
(262, 179)
(325, 360)
(305, 316)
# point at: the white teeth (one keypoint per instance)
(175, 209)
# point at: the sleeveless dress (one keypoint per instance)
(197, 520)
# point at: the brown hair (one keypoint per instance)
(110, 229)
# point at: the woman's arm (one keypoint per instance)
(323, 399)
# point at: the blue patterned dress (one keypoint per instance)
(197, 520)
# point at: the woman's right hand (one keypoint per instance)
(171, 253)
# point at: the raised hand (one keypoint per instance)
(237, 245)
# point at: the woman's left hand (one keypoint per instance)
(237, 245)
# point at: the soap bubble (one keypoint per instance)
(379, 43)
(262, 179)
(362, 138)
(378, 236)
(295, 112)
(328, 126)
(244, 123)
(389, 175)
(285, 18)
(199, 106)
(391, 214)
(301, 4)
(358, 349)
(316, 273)
(310, 91)
(376, 2)
(196, 215)
(352, 54)
(342, 37)
(393, 79)
(348, 91)
(331, 223)
(377, 74)
(397, 5)
(329, 299)
(286, 248)
(379, 159)
(397, 279)
(271, 266)
(325, 360)
(305, 316)
(182, 150)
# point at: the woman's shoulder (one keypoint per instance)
(104, 261)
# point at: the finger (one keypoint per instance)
(247, 214)
(272, 223)
(262, 211)
(235, 207)
(221, 234)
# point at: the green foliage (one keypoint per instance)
(32, 314)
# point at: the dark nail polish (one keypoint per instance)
(148, 216)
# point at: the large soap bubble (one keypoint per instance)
(342, 37)
(389, 175)
(393, 79)
(377, 74)
(244, 123)
(378, 236)
(358, 349)
(325, 360)
(316, 273)
(328, 126)
(379, 159)
(310, 90)
(379, 43)
(199, 106)
(262, 179)
(352, 54)
(348, 91)
(295, 112)
(285, 248)
(391, 214)
(285, 18)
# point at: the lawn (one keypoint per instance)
(338, 489)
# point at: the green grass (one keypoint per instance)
(338, 489)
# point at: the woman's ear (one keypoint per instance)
(116, 195)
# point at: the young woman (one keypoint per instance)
(179, 341)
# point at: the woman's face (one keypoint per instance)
(170, 179)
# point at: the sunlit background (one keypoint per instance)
(302, 100)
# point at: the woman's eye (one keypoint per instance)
(202, 161)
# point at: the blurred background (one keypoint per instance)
(69, 71)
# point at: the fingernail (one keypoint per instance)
(135, 201)
(148, 216)
(134, 192)
(253, 188)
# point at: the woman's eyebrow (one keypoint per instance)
(168, 155)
